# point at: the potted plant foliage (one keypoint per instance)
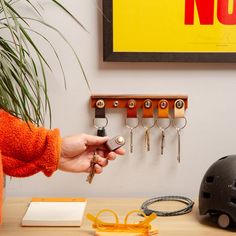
(23, 81)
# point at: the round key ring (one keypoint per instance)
(129, 126)
(148, 127)
(97, 126)
(163, 128)
(178, 128)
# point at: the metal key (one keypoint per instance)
(178, 129)
(178, 134)
(147, 138)
(131, 135)
(131, 128)
(112, 145)
(162, 141)
(92, 171)
(163, 124)
(101, 132)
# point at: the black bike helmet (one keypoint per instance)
(217, 194)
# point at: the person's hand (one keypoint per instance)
(77, 153)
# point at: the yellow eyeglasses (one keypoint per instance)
(140, 227)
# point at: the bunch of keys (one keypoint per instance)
(111, 144)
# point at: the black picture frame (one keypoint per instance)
(110, 56)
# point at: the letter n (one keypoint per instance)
(205, 10)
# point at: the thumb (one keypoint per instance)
(94, 140)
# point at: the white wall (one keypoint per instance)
(209, 135)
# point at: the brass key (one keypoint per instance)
(101, 132)
(147, 133)
(162, 141)
(92, 171)
(163, 126)
(112, 145)
(147, 138)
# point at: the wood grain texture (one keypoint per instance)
(186, 225)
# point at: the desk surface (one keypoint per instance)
(190, 224)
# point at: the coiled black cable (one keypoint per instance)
(145, 206)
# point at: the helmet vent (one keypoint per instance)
(233, 200)
(234, 184)
(206, 195)
(210, 179)
(222, 158)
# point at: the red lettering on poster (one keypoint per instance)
(223, 14)
(205, 10)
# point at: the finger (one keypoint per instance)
(111, 156)
(106, 154)
(102, 161)
(94, 140)
(120, 151)
(98, 169)
(100, 152)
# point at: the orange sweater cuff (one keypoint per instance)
(27, 149)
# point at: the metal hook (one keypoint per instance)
(97, 126)
(163, 128)
(129, 126)
(175, 124)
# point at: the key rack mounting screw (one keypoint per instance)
(131, 103)
(100, 103)
(147, 103)
(163, 104)
(116, 103)
(179, 104)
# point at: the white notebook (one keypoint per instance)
(55, 212)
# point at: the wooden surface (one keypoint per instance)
(186, 225)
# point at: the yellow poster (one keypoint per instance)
(174, 26)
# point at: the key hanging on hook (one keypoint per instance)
(148, 112)
(131, 115)
(179, 110)
(163, 114)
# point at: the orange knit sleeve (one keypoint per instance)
(27, 149)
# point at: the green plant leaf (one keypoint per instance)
(23, 90)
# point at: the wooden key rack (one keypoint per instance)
(170, 108)
(122, 101)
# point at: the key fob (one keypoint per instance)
(101, 132)
(115, 143)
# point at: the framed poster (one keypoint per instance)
(169, 31)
